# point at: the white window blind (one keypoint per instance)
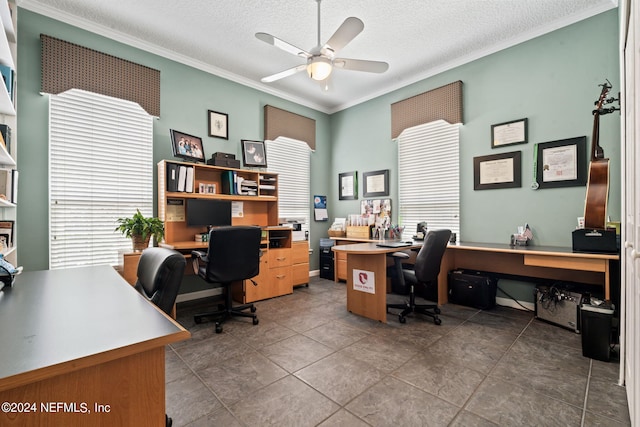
(291, 160)
(100, 169)
(429, 177)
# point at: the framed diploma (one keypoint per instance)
(348, 186)
(375, 183)
(497, 171)
(509, 133)
(562, 163)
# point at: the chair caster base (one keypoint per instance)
(255, 321)
(218, 328)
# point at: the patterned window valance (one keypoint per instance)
(443, 103)
(279, 122)
(66, 66)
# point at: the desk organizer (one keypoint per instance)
(359, 231)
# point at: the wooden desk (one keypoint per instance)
(84, 345)
(546, 262)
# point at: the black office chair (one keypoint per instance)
(234, 255)
(423, 273)
(160, 272)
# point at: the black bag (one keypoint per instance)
(472, 288)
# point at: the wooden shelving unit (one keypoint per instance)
(277, 263)
(8, 155)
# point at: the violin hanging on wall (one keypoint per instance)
(595, 208)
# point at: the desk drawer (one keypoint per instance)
(281, 281)
(279, 257)
(567, 263)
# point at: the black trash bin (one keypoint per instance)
(596, 326)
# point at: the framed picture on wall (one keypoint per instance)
(218, 124)
(509, 133)
(562, 163)
(348, 186)
(497, 171)
(376, 183)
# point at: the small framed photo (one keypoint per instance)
(218, 124)
(497, 171)
(562, 163)
(375, 183)
(253, 153)
(187, 146)
(509, 133)
(348, 186)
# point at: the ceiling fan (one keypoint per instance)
(321, 59)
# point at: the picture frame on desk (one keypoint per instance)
(497, 171)
(562, 163)
(253, 153)
(187, 146)
(218, 124)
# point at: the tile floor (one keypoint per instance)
(311, 363)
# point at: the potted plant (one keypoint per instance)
(140, 229)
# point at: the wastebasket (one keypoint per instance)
(595, 326)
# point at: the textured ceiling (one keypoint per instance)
(418, 38)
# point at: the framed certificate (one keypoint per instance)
(562, 163)
(348, 186)
(497, 171)
(509, 133)
(375, 183)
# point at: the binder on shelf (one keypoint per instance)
(7, 76)
(14, 186)
(189, 184)
(172, 177)
(182, 177)
(226, 179)
(5, 130)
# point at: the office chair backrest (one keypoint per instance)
(160, 272)
(234, 253)
(427, 266)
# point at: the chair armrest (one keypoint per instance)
(401, 255)
(196, 258)
(200, 255)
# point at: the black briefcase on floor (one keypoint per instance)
(472, 288)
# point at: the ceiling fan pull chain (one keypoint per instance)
(319, 22)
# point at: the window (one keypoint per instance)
(429, 177)
(291, 160)
(100, 169)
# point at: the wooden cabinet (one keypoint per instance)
(128, 266)
(300, 262)
(275, 277)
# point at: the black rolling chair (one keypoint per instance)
(160, 272)
(234, 255)
(424, 273)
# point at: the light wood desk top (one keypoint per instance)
(57, 321)
(542, 262)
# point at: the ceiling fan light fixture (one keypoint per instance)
(319, 68)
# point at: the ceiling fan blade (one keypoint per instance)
(361, 65)
(281, 44)
(349, 29)
(283, 74)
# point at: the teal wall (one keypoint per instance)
(551, 80)
(186, 95)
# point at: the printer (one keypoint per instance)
(297, 233)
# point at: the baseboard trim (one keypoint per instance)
(508, 302)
